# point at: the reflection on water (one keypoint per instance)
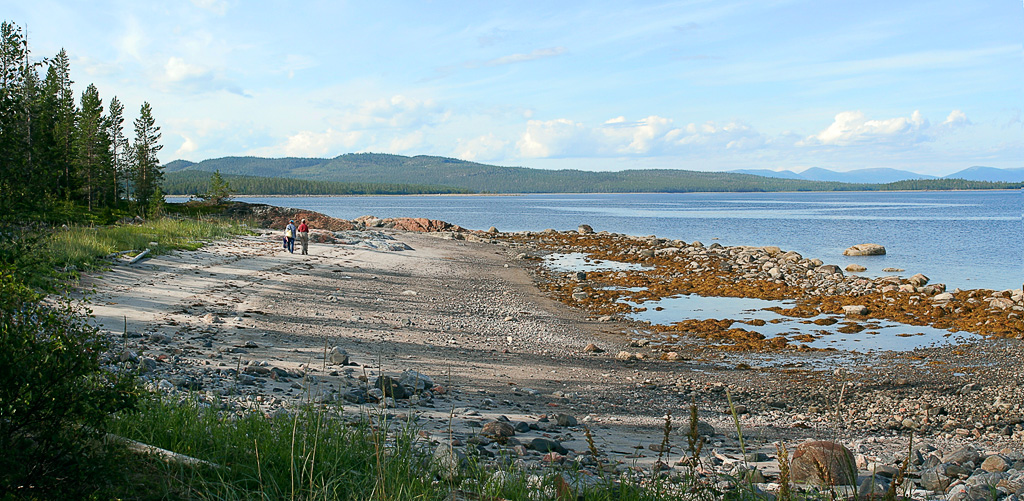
(577, 261)
(752, 315)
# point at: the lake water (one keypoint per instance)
(965, 239)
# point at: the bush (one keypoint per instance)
(54, 396)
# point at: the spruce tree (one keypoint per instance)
(119, 147)
(147, 173)
(92, 151)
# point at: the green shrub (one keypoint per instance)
(54, 398)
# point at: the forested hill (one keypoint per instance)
(192, 182)
(377, 168)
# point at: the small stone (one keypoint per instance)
(855, 268)
(541, 444)
(584, 229)
(858, 309)
(565, 420)
(995, 463)
(625, 355)
(592, 348)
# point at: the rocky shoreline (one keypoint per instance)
(446, 328)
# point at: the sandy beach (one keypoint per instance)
(244, 325)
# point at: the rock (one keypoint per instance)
(210, 318)
(673, 356)
(918, 280)
(565, 420)
(338, 356)
(492, 229)
(541, 444)
(855, 268)
(703, 429)
(893, 270)
(962, 455)
(823, 463)
(585, 229)
(416, 381)
(447, 461)
(829, 269)
(625, 355)
(855, 310)
(391, 387)
(995, 463)
(592, 348)
(580, 296)
(865, 250)
(935, 480)
(943, 297)
(498, 429)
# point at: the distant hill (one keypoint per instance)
(980, 173)
(194, 182)
(871, 176)
(379, 168)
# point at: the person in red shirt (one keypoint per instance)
(304, 236)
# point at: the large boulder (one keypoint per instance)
(865, 250)
(823, 463)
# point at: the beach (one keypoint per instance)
(245, 326)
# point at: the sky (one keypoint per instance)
(931, 87)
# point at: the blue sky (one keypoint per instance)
(926, 86)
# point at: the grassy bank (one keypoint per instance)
(44, 257)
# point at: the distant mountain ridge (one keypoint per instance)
(378, 168)
(885, 175)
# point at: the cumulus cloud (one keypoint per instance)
(852, 127)
(482, 148)
(184, 76)
(640, 137)
(188, 146)
(555, 138)
(956, 118)
(730, 136)
(315, 144)
(176, 70)
(395, 112)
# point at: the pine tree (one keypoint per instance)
(119, 147)
(57, 112)
(146, 169)
(15, 134)
(92, 150)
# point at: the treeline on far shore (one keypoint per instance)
(198, 183)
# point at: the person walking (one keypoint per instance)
(304, 237)
(289, 236)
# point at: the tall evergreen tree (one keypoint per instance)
(15, 95)
(146, 169)
(60, 106)
(118, 149)
(92, 151)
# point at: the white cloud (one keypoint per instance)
(851, 127)
(640, 137)
(554, 138)
(177, 70)
(316, 144)
(711, 135)
(395, 112)
(186, 147)
(482, 148)
(406, 143)
(522, 58)
(956, 118)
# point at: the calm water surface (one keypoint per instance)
(963, 239)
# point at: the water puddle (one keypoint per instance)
(577, 261)
(828, 331)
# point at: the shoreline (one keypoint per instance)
(464, 309)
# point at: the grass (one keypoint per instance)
(46, 257)
(318, 452)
